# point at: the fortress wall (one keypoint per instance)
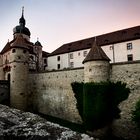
(130, 74)
(51, 93)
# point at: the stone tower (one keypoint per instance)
(38, 51)
(96, 65)
(19, 73)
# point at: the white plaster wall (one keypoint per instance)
(65, 60)
(53, 62)
(121, 52)
(78, 59)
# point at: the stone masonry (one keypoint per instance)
(51, 94)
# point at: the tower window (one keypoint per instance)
(58, 58)
(129, 46)
(130, 57)
(58, 66)
(14, 50)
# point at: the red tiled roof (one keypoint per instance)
(105, 39)
(7, 46)
(18, 41)
(96, 53)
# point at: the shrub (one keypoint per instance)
(98, 102)
(136, 114)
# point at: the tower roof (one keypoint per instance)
(6, 48)
(21, 27)
(37, 43)
(119, 36)
(20, 42)
(96, 53)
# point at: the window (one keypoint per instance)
(45, 61)
(14, 50)
(71, 64)
(58, 66)
(71, 55)
(129, 46)
(85, 53)
(130, 57)
(58, 58)
(79, 54)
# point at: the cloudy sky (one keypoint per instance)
(56, 22)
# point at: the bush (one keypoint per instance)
(98, 102)
(136, 114)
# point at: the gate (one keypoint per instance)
(4, 92)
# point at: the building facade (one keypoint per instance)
(120, 46)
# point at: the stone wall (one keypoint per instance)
(51, 93)
(130, 74)
(4, 92)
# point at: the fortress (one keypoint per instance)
(41, 81)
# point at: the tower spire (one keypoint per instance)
(22, 20)
(22, 11)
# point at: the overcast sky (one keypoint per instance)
(56, 22)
